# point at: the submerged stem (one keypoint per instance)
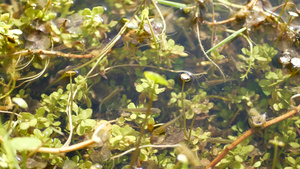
(135, 154)
(191, 128)
(205, 53)
(183, 109)
(275, 155)
(281, 12)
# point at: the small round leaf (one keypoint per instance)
(156, 78)
(25, 143)
(20, 102)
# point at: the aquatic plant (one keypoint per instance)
(84, 87)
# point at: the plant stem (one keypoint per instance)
(12, 87)
(249, 133)
(183, 108)
(135, 154)
(275, 156)
(281, 12)
(283, 31)
(206, 52)
(191, 128)
(172, 4)
(232, 36)
(152, 32)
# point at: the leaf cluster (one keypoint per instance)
(257, 58)
(198, 104)
(236, 157)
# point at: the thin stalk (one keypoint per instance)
(249, 133)
(283, 30)
(144, 146)
(251, 51)
(10, 152)
(161, 16)
(69, 114)
(232, 36)
(172, 4)
(177, 165)
(69, 111)
(213, 12)
(24, 160)
(23, 66)
(275, 156)
(230, 4)
(136, 153)
(205, 53)
(12, 87)
(233, 118)
(12, 117)
(71, 92)
(34, 77)
(152, 32)
(191, 128)
(183, 109)
(281, 12)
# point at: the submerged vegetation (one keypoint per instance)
(149, 84)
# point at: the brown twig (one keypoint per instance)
(47, 52)
(234, 117)
(288, 3)
(246, 8)
(249, 133)
(66, 149)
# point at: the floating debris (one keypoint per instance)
(285, 58)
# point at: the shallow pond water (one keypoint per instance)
(73, 80)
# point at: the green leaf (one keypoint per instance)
(257, 164)
(259, 58)
(40, 112)
(145, 85)
(25, 143)
(145, 13)
(27, 115)
(264, 83)
(156, 78)
(290, 160)
(238, 158)
(172, 4)
(237, 165)
(49, 16)
(276, 107)
(139, 88)
(294, 144)
(98, 10)
(4, 17)
(80, 130)
(75, 119)
(245, 51)
(115, 130)
(173, 100)
(266, 156)
(75, 107)
(86, 114)
(24, 125)
(20, 102)
(33, 122)
(86, 11)
(90, 122)
(271, 75)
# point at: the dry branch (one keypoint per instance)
(249, 133)
(54, 53)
